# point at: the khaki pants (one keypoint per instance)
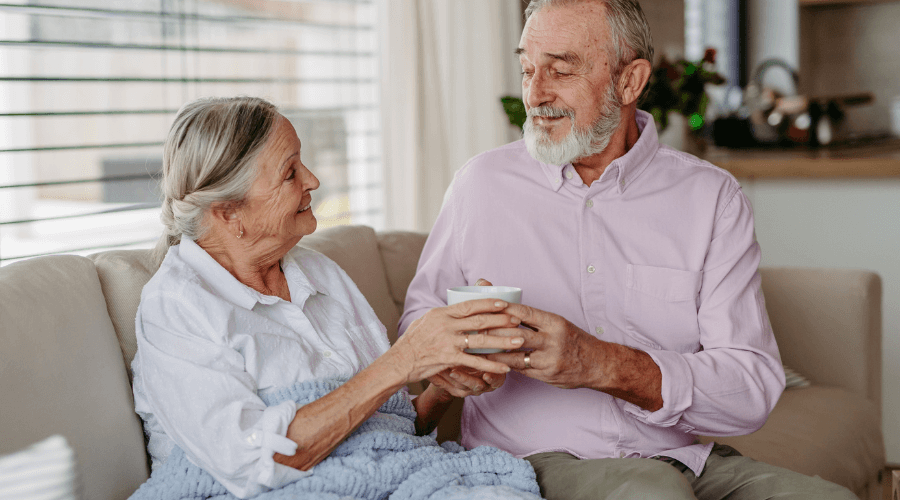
(727, 474)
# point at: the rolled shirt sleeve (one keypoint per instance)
(205, 401)
(732, 384)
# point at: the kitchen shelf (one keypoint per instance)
(871, 159)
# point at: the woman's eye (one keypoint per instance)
(291, 175)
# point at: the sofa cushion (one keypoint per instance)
(818, 430)
(123, 274)
(400, 251)
(61, 372)
(843, 308)
(355, 249)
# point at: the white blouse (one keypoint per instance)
(209, 346)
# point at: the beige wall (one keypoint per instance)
(848, 49)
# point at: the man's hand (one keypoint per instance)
(563, 355)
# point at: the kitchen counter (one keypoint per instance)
(865, 159)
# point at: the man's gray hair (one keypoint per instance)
(628, 29)
(210, 157)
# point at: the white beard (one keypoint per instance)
(578, 143)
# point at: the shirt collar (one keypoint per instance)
(624, 169)
(225, 284)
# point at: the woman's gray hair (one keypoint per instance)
(209, 157)
(628, 29)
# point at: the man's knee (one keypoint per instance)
(562, 476)
(746, 479)
(653, 479)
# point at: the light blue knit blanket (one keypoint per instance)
(383, 458)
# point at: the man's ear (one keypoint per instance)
(633, 80)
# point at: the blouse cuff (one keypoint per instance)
(677, 392)
(269, 437)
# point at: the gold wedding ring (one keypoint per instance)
(527, 361)
(467, 341)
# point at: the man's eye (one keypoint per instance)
(291, 175)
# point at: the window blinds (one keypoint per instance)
(89, 88)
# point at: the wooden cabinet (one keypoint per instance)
(878, 159)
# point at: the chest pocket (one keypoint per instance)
(661, 307)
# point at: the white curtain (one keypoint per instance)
(445, 65)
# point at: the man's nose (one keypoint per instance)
(538, 91)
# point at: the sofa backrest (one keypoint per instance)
(359, 250)
(61, 372)
(828, 325)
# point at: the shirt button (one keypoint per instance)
(327, 354)
(599, 330)
(621, 454)
(591, 269)
(569, 174)
(589, 204)
(556, 181)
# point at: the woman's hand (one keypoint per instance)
(435, 342)
(458, 382)
(463, 382)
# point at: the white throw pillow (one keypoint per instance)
(43, 471)
(793, 379)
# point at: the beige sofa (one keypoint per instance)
(67, 340)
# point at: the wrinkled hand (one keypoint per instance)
(462, 382)
(566, 356)
(435, 342)
(561, 354)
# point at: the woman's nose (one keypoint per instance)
(310, 180)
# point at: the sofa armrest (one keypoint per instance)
(828, 325)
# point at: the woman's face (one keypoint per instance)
(278, 206)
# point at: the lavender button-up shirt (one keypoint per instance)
(658, 254)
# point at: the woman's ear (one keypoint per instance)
(633, 80)
(226, 216)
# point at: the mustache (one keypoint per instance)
(550, 112)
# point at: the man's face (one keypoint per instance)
(566, 82)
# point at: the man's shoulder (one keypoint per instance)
(708, 179)
(512, 155)
(681, 163)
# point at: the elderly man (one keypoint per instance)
(647, 259)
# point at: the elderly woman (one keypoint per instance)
(237, 312)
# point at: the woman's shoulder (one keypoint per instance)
(319, 268)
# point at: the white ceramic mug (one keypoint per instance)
(459, 294)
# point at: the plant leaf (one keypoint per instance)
(515, 110)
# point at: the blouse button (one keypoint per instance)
(327, 354)
(599, 330)
(569, 174)
(590, 203)
(591, 269)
